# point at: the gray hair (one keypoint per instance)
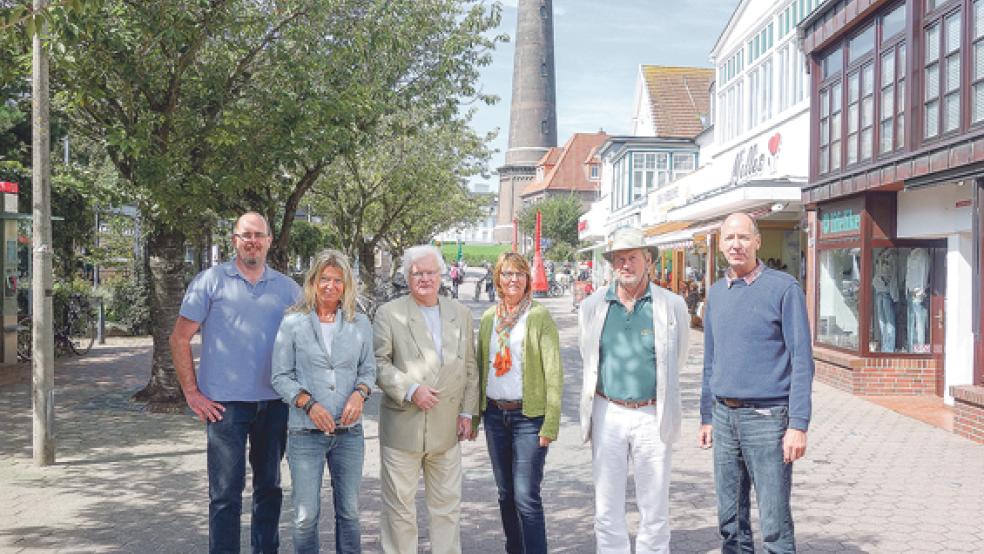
(415, 253)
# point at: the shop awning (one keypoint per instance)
(744, 198)
(678, 239)
(666, 227)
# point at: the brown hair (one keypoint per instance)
(517, 261)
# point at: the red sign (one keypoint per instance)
(9, 187)
(962, 203)
(582, 226)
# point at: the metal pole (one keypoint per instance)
(101, 318)
(43, 350)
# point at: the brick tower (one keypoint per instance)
(533, 110)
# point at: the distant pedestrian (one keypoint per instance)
(633, 342)
(425, 355)
(324, 367)
(521, 386)
(238, 306)
(755, 401)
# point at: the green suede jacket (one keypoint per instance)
(543, 375)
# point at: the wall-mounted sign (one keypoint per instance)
(962, 203)
(7, 187)
(582, 226)
(840, 221)
(750, 163)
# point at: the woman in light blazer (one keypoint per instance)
(521, 384)
(323, 367)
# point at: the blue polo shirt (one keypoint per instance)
(239, 322)
(627, 367)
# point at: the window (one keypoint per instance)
(830, 127)
(900, 280)
(892, 98)
(683, 163)
(839, 284)
(861, 45)
(893, 23)
(643, 173)
(977, 92)
(941, 90)
(860, 113)
(594, 172)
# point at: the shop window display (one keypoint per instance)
(900, 281)
(839, 287)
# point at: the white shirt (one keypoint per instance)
(432, 317)
(510, 385)
(917, 272)
(328, 331)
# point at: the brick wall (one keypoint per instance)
(968, 412)
(875, 376)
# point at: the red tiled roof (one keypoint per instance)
(568, 172)
(678, 96)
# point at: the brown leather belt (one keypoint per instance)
(629, 403)
(506, 404)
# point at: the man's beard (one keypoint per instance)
(629, 280)
(251, 261)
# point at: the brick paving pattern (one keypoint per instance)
(128, 481)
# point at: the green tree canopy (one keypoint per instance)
(559, 219)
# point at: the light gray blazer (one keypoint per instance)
(671, 335)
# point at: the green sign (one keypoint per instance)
(840, 221)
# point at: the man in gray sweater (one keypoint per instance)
(755, 400)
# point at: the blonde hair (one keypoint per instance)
(517, 261)
(309, 297)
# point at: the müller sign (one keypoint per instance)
(750, 163)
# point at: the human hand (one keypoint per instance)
(545, 441)
(465, 428)
(793, 445)
(204, 407)
(705, 436)
(425, 397)
(322, 418)
(353, 409)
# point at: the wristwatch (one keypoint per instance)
(363, 391)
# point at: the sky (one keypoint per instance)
(598, 47)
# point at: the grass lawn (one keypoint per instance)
(474, 254)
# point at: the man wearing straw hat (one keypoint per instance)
(633, 341)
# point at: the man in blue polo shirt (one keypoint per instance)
(755, 400)
(238, 306)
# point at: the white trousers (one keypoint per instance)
(619, 436)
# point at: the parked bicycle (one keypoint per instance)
(75, 333)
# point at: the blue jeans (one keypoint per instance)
(748, 451)
(306, 455)
(916, 330)
(885, 313)
(264, 425)
(517, 463)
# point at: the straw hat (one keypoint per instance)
(628, 238)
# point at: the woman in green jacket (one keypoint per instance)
(521, 383)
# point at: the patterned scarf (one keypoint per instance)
(506, 321)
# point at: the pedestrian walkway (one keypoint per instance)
(128, 481)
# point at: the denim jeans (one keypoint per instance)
(306, 455)
(517, 464)
(748, 451)
(916, 330)
(264, 425)
(885, 312)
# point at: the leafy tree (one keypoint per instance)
(402, 189)
(306, 240)
(211, 107)
(559, 219)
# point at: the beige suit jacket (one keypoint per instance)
(405, 355)
(671, 338)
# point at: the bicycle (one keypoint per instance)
(75, 334)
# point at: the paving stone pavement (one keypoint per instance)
(129, 481)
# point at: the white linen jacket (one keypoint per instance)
(671, 336)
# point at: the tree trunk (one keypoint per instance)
(166, 280)
(367, 267)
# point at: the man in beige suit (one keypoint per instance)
(426, 367)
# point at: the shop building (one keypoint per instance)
(894, 199)
(671, 108)
(757, 157)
